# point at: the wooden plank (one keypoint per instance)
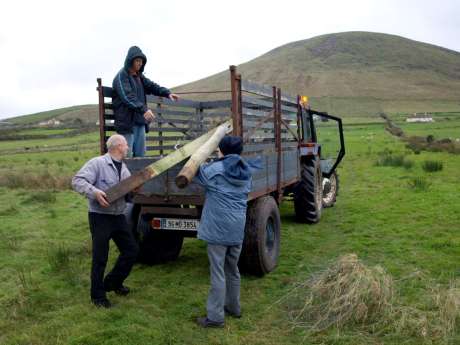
(216, 104)
(255, 112)
(217, 114)
(164, 138)
(161, 147)
(107, 91)
(265, 90)
(169, 129)
(259, 89)
(181, 103)
(193, 212)
(248, 101)
(259, 147)
(256, 124)
(164, 112)
(202, 153)
(162, 165)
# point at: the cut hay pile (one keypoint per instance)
(346, 292)
(349, 294)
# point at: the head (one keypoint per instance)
(137, 64)
(117, 146)
(231, 145)
(135, 60)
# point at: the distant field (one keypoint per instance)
(45, 250)
(87, 113)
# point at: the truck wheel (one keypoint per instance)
(308, 195)
(330, 190)
(157, 246)
(261, 243)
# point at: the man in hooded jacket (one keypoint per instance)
(227, 183)
(130, 87)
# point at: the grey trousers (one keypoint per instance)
(225, 281)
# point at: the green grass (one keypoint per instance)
(45, 250)
(432, 166)
(85, 111)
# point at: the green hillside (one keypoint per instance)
(86, 113)
(350, 74)
(356, 72)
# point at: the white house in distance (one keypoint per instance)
(50, 123)
(420, 118)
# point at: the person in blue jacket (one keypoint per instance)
(227, 183)
(130, 86)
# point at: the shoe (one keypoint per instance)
(120, 290)
(228, 312)
(102, 303)
(206, 323)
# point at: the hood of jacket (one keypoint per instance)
(239, 170)
(135, 52)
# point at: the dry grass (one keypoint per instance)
(417, 144)
(347, 292)
(350, 294)
(43, 180)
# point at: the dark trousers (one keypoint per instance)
(103, 228)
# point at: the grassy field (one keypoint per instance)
(382, 214)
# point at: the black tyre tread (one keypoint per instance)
(305, 204)
(253, 258)
(156, 247)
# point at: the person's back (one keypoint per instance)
(227, 183)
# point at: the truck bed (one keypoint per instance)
(263, 181)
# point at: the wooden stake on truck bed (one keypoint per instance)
(190, 168)
(161, 165)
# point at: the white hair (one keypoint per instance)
(114, 140)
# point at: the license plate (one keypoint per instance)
(175, 224)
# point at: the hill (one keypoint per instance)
(350, 74)
(85, 113)
(359, 72)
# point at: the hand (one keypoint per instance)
(101, 198)
(173, 97)
(149, 115)
(137, 189)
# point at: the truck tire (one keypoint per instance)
(157, 246)
(261, 243)
(308, 195)
(330, 190)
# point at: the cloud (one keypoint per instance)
(53, 51)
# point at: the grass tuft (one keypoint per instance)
(349, 294)
(432, 166)
(419, 184)
(388, 159)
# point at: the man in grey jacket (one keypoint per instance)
(107, 221)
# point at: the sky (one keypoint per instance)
(51, 52)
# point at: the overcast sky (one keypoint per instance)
(52, 52)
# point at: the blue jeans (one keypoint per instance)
(136, 141)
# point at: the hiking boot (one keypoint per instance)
(120, 290)
(102, 303)
(228, 312)
(206, 323)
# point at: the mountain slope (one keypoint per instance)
(367, 67)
